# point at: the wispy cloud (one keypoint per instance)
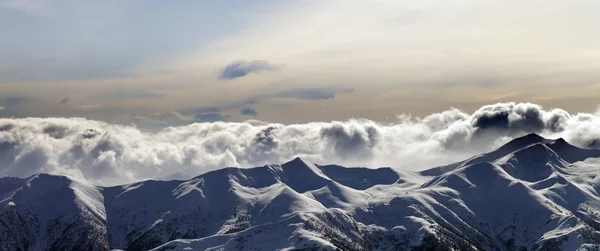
(12, 101)
(173, 114)
(242, 68)
(200, 114)
(215, 113)
(128, 94)
(249, 112)
(63, 101)
(211, 117)
(87, 107)
(312, 93)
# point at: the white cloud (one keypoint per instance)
(111, 154)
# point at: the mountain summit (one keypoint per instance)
(530, 194)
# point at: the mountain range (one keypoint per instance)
(532, 193)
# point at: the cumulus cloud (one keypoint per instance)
(249, 112)
(112, 154)
(242, 68)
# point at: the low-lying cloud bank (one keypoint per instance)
(112, 154)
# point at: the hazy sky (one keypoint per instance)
(158, 63)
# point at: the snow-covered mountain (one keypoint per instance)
(530, 194)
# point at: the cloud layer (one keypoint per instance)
(112, 154)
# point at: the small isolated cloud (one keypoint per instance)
(11, 101)
(63, 101)
(248, 112)
(312, 93)
(1, 108)
(242, 68)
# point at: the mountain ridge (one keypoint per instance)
(530, 194)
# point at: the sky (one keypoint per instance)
(119, 91)
(170, 63)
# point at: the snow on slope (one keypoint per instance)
(531, 194)
(47, 212)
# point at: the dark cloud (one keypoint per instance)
(242, 68)
(351, 142)
(265, 144)
(311, 93)
(63, 101)
(12, 101)
(517, 118)
(249, 112)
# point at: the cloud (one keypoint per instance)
(203, 114)
(63, 101)
(213, 113)
(242, 68)
(249, 112)
(129, 94)
(312, 93)
(113, 154)
(150, 122)
(173, 114)
(1, 108)
(87, 107)
(517, 118)
(13, 101)
(211, 117)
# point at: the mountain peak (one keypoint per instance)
(528, 139)
(532, 136)
(525, 141)
(296, 160)
(301, 204)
